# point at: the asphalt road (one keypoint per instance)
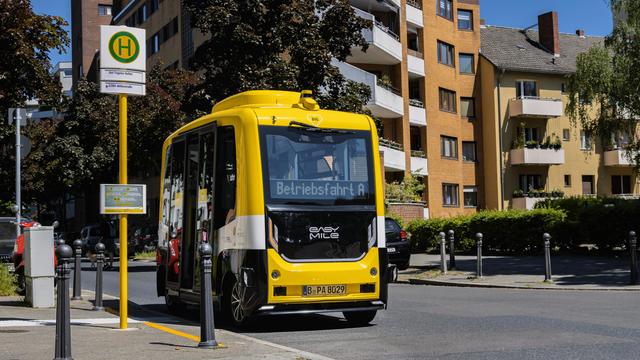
(428, 322)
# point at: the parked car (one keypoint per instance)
(397, 244)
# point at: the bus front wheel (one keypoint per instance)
(234, 299)
(360, 317)
(174, 305)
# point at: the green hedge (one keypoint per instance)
(511, 231)
(604, 222)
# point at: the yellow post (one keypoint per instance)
(122, 102)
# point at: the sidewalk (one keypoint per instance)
(30, 334)
(524, 272)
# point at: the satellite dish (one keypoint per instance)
(25, 146)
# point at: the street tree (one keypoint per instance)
(603, 92)
(278, 44)
(26, 38)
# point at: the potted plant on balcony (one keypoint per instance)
(518, 193)
(546, 144)
(531, 144)
(556, 144)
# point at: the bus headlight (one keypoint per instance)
(273, 235)
(372, 232)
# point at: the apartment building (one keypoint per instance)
(531, 148)
(86, 18)
(420, 66)
(170, 37)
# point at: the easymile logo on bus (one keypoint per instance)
(324, 232)
(310, 189)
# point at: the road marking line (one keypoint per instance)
(28, 323)
(302, 353)
(178, 333)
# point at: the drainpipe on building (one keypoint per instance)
(500, 139)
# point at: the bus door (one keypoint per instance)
(175, 212)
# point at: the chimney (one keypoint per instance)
(548, 32)
(580, 33)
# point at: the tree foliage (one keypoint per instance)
(27, 39)
(279, 44)
(603, 92)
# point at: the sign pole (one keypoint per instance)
(18, 167)
(122, 105)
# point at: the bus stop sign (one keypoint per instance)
(122, 60)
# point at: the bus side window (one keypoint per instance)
(163, 233)
(176, 209)
(225, 183)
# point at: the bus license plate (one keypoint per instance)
(324, 290)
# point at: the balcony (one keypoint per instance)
(384, 45)
(385, 102)
(537, 157)
(525, 203)
(415, 64)
(414, 13)
(393, 155)
(419, 163)
(618, 157)
(529, 106)
(417, 113)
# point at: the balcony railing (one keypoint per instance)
(532, 106)
(390, 143)
(415, 53)
(415, 3)
(537, 157)
(385, 47)
(618, 157)
(384, 28)
(389, 87)
(418, 153)
(394, 159)
(414, 13)
(415, 65)
(417, 113)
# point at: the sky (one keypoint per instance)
(593, 16)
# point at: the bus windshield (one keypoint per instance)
(317, 166)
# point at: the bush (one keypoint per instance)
(7, 282)
(511, 231)
(604, 222)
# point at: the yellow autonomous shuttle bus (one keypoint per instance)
(289, 196)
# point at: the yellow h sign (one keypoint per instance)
(124, 47)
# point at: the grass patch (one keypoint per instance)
(7, 282)
(145, 255)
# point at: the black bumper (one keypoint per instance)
(289, 309)
(401, 254)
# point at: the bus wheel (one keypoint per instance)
(174, 305)
(360, 317)
(233, 303)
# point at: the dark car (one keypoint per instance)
(397, 244)
(145, 238)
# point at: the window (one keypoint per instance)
(530, 134)
(170, 29)
(530, 182)
(526, 88)
(566, 135)
(470, 196)
(153, 6)
(585, 141)
(567, 181)
(467, 108)
(445, 9)
(445, 54)
(620, 184)
(104, 10)
(450, 194)
(447, 100)
(563, 88)
(225, 184)
(465, 20)
(154, 44)
(142, 13)
(469, 151)
(587, 184)
(466, 63)
(449, 147)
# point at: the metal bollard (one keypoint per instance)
(452, 255)
(633, 246)
(63, 318)
(479, 259)
(547, 257)
(97, 306)
(443, 253)
(207, 327)
(77, 270)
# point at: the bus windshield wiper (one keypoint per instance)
(309, 127)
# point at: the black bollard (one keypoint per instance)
(63, 317)
(479, 259)
(207, 327)
(633, 246)
(77, 270)
(443, 253)
(452, 256)
(97, 306)
(547, 257)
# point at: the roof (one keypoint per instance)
(518, 50)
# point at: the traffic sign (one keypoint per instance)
(13, 113)
(25, 146)
(123, 47)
